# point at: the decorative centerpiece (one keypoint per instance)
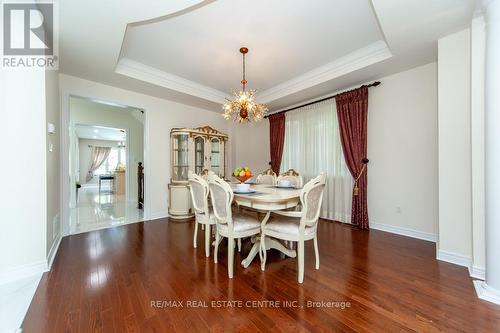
(242, 174)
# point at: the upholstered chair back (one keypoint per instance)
(311, 198)
(293, 176)
(206, 173)
(199, 193)
(222, 198)
(267, 177)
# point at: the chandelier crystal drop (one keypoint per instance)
(243, 107)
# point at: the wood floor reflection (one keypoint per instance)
(131, 279)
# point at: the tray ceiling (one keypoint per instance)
(286, 39)
(187, 51)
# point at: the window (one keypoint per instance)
(312, 145)
(116, 156)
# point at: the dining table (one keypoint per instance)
(266, 199)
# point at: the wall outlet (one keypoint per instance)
(398, 209)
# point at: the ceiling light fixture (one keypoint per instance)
(244, 106)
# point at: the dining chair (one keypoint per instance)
(205, 173)
(203, 214)
(293, 176)
(230, 225)
(297, 226)
(267, 177)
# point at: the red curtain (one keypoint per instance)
(276, 139)
(352, 113)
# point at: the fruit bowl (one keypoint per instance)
(242, 174)
(242, 179)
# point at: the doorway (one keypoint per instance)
(106, 147)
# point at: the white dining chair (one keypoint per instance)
(267, 177)
(203, 214)
(297, 226)
(230, 225)
(205, 173)
(293, 176)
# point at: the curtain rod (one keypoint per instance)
(374, 84)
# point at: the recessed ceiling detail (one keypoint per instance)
(291, 41)
(100, 133)
(309, 43)
(137, 70)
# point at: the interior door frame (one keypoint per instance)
(65, 180)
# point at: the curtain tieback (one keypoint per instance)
(355, 190)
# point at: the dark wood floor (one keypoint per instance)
(106, 281)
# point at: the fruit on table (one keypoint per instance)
(242, 172)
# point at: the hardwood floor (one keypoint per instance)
(111, 281)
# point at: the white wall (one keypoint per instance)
(86, 112)
(85, 154)
(160, 116)
(455, 209)
(53, 163)
(402, 148)
(23, 202)
(478, 51)
(250, 146)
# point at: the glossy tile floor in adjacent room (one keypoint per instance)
(101, 210)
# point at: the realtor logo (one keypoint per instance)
(29, 35)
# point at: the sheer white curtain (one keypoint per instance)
(312, 145)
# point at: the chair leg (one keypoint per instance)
(195, 234)
(202, 227)
(230, 257)
(207, 240)
(316, 251)
(300, 259)
(239, 244)
(217, 241)
(263, 252)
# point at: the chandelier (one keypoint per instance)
(244, 107)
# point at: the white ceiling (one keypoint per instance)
(100, 133)
(284, 42)
(187, 51)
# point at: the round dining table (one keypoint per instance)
(266, 199)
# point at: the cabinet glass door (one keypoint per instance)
(180, 157)
(215, 156)
(199, 154)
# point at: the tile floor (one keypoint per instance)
(15, 298)
(101, 210)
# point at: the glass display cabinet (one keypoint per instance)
(195, 149)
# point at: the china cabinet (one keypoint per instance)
(195, 149)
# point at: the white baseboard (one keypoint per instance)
(454, 258)
(53, 251)
(32, 269)
(23, 272)
(477, 272)
(486, 293)
(404, 231)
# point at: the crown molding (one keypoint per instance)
(139, 71)
(368, 55)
